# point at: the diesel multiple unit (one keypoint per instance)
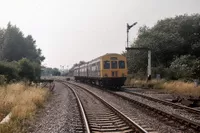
(108, 70)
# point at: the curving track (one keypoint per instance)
(99, 116)
(164, 115)
(168, 118)
(176, 106)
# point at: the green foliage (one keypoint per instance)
(37, 70)
(182, 67)
(186, 67)
(168, 39)
(29, 70)
(20, 59)
(56, 72)
(2, 79)
(32, 53)
(51, 72)
(9, 70)
(23, 69)
(26, 69)
(196, 69)
(14, 46)
(2, 32)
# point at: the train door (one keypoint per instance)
(114, 73)
(114, 67)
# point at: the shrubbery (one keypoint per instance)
(2, 79)
(175, 48)
(29, 70)
(185, 67)
(20, 59)
(23, 69)
(9, 70)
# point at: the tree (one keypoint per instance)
(50, 71)
(10, 70)
(56, 72)
(37, 70)
(2, 32)
(32, 53)
(168, 39)
(19, 56)
(16, 46)
(26, 69)
(186, 66)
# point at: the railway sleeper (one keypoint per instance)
(173, 117)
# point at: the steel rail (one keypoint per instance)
(173, 117)
(81, 110)
(181, 120)
(191, 110)
(130, 122)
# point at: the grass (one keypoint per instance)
(22, 101)
(179, 87)
(186, 88)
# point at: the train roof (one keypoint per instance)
(106, 55)
(97, 59)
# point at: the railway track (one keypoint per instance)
(176, 106)
(99, 116)
(171, 119)
(164, 115)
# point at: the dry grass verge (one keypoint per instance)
(179, 87)
(186, 88)
(22, 101)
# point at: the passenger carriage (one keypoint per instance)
(108, 70)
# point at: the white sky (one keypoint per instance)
(68, 31)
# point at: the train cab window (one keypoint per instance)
(106, 65)
(114, 64)
(121, 64)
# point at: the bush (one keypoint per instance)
(186, 67)
(26, 69)
(21, 70)
(29, 70)
(2, 79)
(9, 70)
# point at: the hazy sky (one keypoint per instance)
(68, 31)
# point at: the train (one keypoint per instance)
(109, 70)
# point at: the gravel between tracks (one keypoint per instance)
(100, 117)
(60, 114)
(134, 112)
(160, 106)
(156, 93)
(163, 95)
(159, 94)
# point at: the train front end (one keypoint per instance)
(114, 70)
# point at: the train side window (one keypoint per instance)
(106, 64)
(98, 65)
(114, 64)
(121, 64)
